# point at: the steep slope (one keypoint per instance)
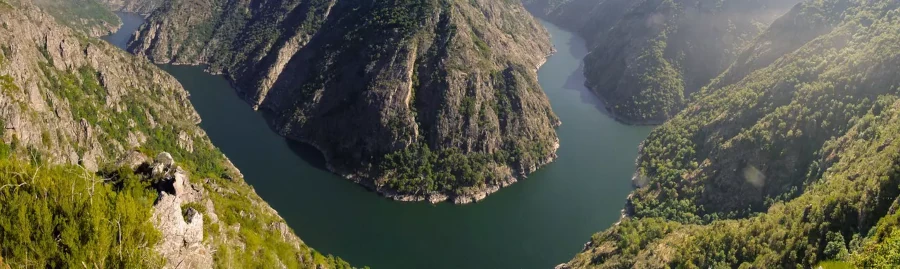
(79, 119)
(793, 163)
(648, 56)
(432, 99)
(135, 6)
(87, 16)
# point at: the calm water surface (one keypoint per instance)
(536, 223)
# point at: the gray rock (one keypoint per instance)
(286, 234)
(185, 141)
(179, 182)
(480, 99)
(132, 159)
(182, 241)
(165, 159)
(161, 165)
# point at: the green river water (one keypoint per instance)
(536, 223)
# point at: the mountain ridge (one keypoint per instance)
(441, 95)
(785, 161)
(648, 57)
(80, 118)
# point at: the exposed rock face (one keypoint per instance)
(74, 100)
(182, 230)
(369, 82)
(70, 100)
(648, 56)
(182, 245)
(133, 159)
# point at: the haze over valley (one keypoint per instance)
(449, 133)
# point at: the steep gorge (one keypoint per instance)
(79, 119)
(135, 6)
(432, 99)
(647, 57)
(87, 16)
(787, 159)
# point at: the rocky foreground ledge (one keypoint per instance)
(180, 225)
(182, 208)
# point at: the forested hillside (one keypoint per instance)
(87, 16)
(429, 99)
(788, 159)
(647, 57)
(102, 164)
(136, 6)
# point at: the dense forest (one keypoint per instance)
(79, 119)
(787, 159)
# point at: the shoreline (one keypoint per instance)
(368, 183)
(365, 180)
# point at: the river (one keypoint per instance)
(536, 223)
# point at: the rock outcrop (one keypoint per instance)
(182, 227)
(432, 99)
(88, 112)
(72, 99)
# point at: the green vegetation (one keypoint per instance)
(63, 216)
(350, 73)
(58, 214)
(7, 85)
(795, 164)
(777, 119)
(423, 168)
(419, 170)
(87, 16)
(262, 246)
(648, 56)
(842, 216)
(660, 86)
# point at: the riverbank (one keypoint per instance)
(534, 223)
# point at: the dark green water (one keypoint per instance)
(536, 223)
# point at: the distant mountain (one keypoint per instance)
(135, 6)
(88, 16)
(647, 57)
(788, 159)
(430, 99)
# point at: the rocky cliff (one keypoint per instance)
(79, 119)
(788, 159)
(647, 57)
(431, 99)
